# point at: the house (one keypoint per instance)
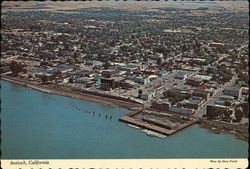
(180, 75)
(90, 83)
(64, 68)
(141, 80)
(134, 65)
(129, 68)
(162, 73)
(63, 80)
(94, 63)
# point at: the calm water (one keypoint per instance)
(39, 125)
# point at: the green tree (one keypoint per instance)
(158, 61)
(44, 79)
(16, 68)
(140, 92)
(227, 103)
(238, 115)
(212, 114)
(106, 65)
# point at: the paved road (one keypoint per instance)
(202, 110)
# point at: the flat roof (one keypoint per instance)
(204, 77)
(195, 79)
(232, 88)
(226, 96)
(217, 105)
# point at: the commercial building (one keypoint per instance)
(226, 98)
(203, 77)
(191, 104)
(161, 105)
(233, 91)
(109, 73)
(203, 94)
(111, 83)
(149, 95)
(181, 110)
(194, 81)
(218, 109)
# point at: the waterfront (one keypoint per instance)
(39, 125)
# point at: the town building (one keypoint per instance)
(233, 91)
(219, 109)
(161, 105)
(111, 83)
(180, 75)
(194, 81)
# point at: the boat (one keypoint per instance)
(133, 126)
(153, 134)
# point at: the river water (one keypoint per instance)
(39, 125)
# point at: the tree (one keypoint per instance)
(106, 65)
(158, 61)
(140, 92)
(238, 115)
(245, 107)
(71, 80)
(16, 68)
(44, 79)
(212, 114)
(227, 103)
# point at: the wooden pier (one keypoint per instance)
(152, 127)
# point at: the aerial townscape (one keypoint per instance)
(172, 67)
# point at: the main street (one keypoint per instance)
(218, 92)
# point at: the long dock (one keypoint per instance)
(149, 126)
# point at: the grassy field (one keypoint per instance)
(131, 5)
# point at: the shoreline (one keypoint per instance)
(67, 92)
(217, 130)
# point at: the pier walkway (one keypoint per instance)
(149, 126)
